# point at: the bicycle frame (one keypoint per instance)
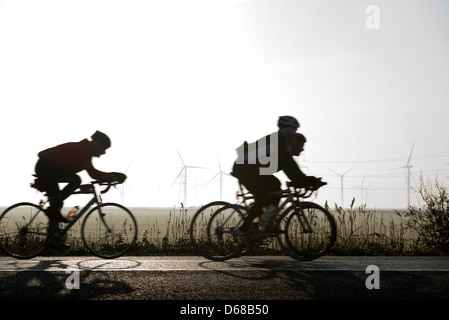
(83, 189)
(289, 195)
(108, 229)
(95, 200)
(289, 198)
(293, 225)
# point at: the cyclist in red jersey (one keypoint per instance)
(61, 164)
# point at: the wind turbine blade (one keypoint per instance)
(193, 167)
(398, 168)
(410, 156)
(341, 175)
(178, 176)
(182, 160)
(129, 166)
(212, 178)
(219, 164)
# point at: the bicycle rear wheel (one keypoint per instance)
(306, 231)
(109, 230)
(211, 231)
(24, 230)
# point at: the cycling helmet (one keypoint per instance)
(288, 121)
(102, 139)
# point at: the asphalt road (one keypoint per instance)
(194, 281)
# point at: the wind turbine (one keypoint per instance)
(220, 173)
(363, 189)
(341, 181)
(407, 167)
(196, 186)
(184, 170)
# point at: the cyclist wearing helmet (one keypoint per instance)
(248, 172)
(297, 141)
(61, 164)
(287, 125)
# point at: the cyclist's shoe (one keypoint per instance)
(245, 236)
(56, 238)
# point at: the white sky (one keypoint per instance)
(203, 76)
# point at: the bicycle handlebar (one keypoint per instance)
(111, 180)
(304, 192)
(108, 184)
(88, 188)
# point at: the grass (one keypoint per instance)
(360, 231)
(366, 232)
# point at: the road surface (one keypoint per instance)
(192, 280)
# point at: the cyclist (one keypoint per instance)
(283, 145)
(297, 142)
(61, 164)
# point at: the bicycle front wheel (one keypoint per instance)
(109, 230)
(306, 231)
(24, 230)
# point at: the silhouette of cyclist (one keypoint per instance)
(61, 164)
(279, 147)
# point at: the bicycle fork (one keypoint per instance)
(303, 221)
(103, 220)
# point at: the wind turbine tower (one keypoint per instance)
(184, 170)
(407, 167)
(363, 190)
(408, 174)
(341, 182)
(220, 173)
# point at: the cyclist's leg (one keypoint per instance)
(49, 176)
(260, 186)
(272, 185)
(255, 209)
(48, 180)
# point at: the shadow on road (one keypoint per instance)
(36, 283)
(272, 279)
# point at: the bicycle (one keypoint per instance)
(108, 230)
(304, 230)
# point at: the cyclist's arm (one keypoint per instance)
(94, 173)
(293, 172)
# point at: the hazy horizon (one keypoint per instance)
(367, 81)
